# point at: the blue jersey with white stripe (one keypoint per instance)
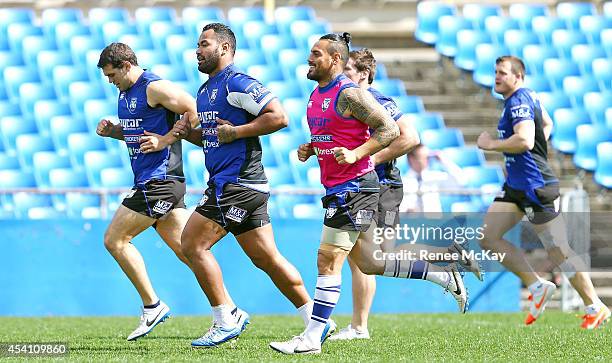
(136, 116)
(238, 98)
(387, 172)
(530, 169)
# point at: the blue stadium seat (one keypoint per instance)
(80, 143)
(607, 9)
(67, 178)
(64, 75)
(77, 202)
(28, 144)
(588, 137)
(308, 211)
(53, 16)
(171, 73)
(196, 170)
(117, 178)
(306, 85)
(144, 16)
(97, 17)
(285, 15)
(43, 162)
(162, 29)
(410, 104)
(302, 30)
(535, 55)
(576, 87)
(296, 110)
(30, 93)
(477, 13)
(426, 121)
(79, 92)
(497, 26)
(553, 101)
(33, 45)
(524, 13)
(237, 16)
(8, 58)
(602, 71)
(95, 161)
(113, 30)
(609, 118)
(10, 15)
(300, 169)
(516, 40)
(596, 104)
(91, 63)
(279, 176)
(603, 173)
(190, 65)
(557, 69)
(571, 12)
(136, 41)
(448, 34)
(15, 76)
(291, 58)
(564, 40)
(486, 54)
(606, 41)
(80, 45)
(265, 73)
(537, 83)
(428, 13)
(391, 87)
(272, 44)
(245, 58)
(466, 52)
(24, 201)
(566, 121)
(254, 30)
(8, 161)
(544, 27)
(193, 16)
(13, 126)
(66, 30)
(61, 128)
(592, 25)
(477, 176)
(47, 60)
(285, 90)
(465, 156)
(284, 142)
(45, 110)
(16, 32)
(16, 179)
(442, 138)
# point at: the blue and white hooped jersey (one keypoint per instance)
(238, 98)
(530, 169)
(136, 116)
(387, 172)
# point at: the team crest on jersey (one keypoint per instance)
(213, 95)
(309, 104)
(162, 207)
(325, 104)
(132, 105)
(236, 214)
(330, 212)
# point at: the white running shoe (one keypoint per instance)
(297, 345)
(149, 320)
(349, 333)
(539, 298)
(456, 288)
(470, 265)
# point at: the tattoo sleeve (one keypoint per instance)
(361, 105)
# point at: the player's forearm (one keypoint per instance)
(264, 124)
(407, 139)
(516, 144)
(117, 132)
(370, 147)
(195, 137)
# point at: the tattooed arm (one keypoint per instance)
(359, 103)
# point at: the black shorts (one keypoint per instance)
(388, 205)
(238, 210)
(156, 197)
(350, 211)
(537, 204)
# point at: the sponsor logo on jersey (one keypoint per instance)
(132, 138)
(208, 116)
(130, 123)
(257, 92)
(520, 111)
(321, 138)
(325, 104)
(210, 144)
(236, 214)
(209, 132)
(319, 151)
(162, 207)
(391, 109)
(318, 121)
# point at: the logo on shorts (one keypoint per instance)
(325, 104)
(132, 106)
(162, 207)
(529, 212)
(390, 217)
(130, 194)
(330, 212)
(364, 216)
(236, 214)
(203, 200)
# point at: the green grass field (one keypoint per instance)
(420, 337)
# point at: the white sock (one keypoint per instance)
(416, 270)
(305, 311)
(326, 297)
(222, 315)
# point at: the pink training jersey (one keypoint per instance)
(330, 130)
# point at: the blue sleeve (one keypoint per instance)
(247, 93)
(520, 108)
(387, 103)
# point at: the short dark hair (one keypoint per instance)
(516, 64)
(224, 34)
(338, 43)
(115, 54)
(364, 61)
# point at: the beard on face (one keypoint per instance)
(210, 63)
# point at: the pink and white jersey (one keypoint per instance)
(330, 129)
